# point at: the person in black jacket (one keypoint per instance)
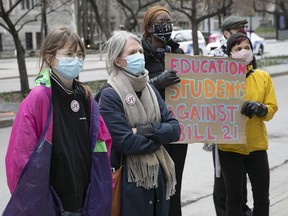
(156, 42)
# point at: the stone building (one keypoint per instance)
(30, 30)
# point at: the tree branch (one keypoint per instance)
(5, 27)
(183, 7)
(23, 15)
(28, 21)
(147, 4)
(14, 6)
(36, 16)
(280, 5)
(171, 5)
(132, 13)
(126, 6)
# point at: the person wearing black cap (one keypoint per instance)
(230, 26)
(260, 105)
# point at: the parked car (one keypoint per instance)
(184, 38)
(258, 42)
(214, 37)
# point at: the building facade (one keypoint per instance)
(28, 18)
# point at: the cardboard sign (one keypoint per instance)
(208, 100)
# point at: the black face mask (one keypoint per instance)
(163, 32)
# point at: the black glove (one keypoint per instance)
(145, 130)
(250, 108)
(165, 79)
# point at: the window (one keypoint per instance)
(1, 47)
(38, 40)
(27, 4)
(29, 40)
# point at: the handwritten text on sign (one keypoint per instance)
(208, 101)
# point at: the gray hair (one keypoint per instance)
(115, 46)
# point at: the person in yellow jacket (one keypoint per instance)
(235, 159)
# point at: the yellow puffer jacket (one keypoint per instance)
(259, 88)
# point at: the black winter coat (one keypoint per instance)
(137, 200)
(155, 58)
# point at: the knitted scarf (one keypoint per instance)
(143, 169)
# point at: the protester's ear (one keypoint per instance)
(48, 58)
(120, 62)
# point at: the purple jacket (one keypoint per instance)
(29, 152)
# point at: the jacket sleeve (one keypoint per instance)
(270, 98)
(104, 135)
(168, 130)
(26, 131)
(124, 141)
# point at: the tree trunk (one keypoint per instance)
(194, 23)
(24, 84)
(102, 25)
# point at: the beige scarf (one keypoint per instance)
(143, 169)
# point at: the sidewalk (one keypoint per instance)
(9, 110)
(7, 113)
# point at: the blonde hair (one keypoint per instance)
(115, 46)
(58, 38)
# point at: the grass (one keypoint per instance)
(269, 61)
(16, 97)
(12, 97)
(265, 29)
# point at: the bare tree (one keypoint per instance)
(14, 26)
(199, 10)
(102, 19)
(276, 7)
(44, 26)
(131, 11)
(10, 26)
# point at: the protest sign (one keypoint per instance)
(208, 100)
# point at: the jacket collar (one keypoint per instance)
(43, 78)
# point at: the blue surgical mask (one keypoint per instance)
(135, 64)
(69, 68)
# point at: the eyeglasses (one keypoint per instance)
(163, 22)
(70, 57)
(237, 27)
